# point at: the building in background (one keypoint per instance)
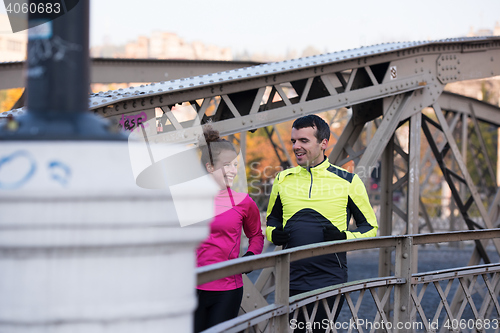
(485, 32)
(163, 45)
(12, 46)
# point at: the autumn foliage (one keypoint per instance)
(9, 97)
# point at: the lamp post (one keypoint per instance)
(82, 247)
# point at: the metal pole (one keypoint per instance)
(58, 80)
(385, 217)
(402, 292)
(282, 292)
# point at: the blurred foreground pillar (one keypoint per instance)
(83, 248)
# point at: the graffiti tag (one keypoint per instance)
(133, 121)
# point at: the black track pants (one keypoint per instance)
(215, 307)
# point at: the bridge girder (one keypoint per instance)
(116, 70)
(392, 83)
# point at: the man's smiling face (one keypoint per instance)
(308, 151)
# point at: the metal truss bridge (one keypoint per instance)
(392, 86)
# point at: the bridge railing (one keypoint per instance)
(405, 290)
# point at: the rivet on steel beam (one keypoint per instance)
(160, 89)
(170, 88)
(181, 86)
(191, 84)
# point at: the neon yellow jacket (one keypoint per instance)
(303, 202)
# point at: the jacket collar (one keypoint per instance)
(322, 166)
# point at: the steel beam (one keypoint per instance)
(414, 181)
(461, 104)
(448, 174)
(484, 151)
(107, 70)
(389, 124)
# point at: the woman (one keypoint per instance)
(220, 300)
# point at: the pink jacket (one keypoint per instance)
(233, 211)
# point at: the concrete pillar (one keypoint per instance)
(84, 249)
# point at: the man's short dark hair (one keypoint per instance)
(312, 120)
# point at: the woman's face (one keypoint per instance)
(225, 168)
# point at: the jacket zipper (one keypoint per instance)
(340, 264)
(310, 186)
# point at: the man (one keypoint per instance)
(313, 203)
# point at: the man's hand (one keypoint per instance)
(331, 232)
(249, 253)
(279, 237)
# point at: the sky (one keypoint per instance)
(278, 26)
